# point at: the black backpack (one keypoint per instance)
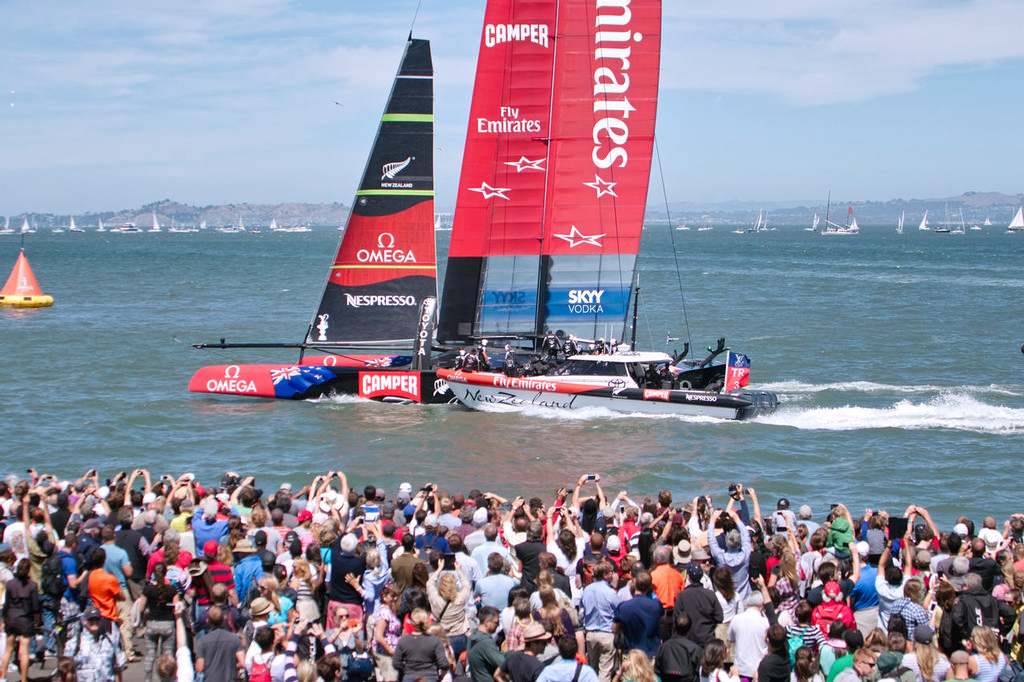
(51, 580)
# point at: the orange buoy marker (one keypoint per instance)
(22, 290)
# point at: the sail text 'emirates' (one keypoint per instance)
(609, 82)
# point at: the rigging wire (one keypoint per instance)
(414, 15)
(672, 236)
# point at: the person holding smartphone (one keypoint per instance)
(448, 594)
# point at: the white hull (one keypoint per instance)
(498, 393)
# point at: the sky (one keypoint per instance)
(112, 105)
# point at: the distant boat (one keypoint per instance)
(1017, 224)
(99, 226)
(924, 222)
(762, 223)
(156, 224)
(202, 225)
(57, 230)
(7, 229)
(706, 228)
(72, 227)
(988, 221)
(21, 289)
(25, 227)
(850, 227)
(273, 225)
(961, 229)
(899, 227)
(814, 224)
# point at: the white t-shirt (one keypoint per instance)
(748, 631)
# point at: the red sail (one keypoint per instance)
(606, 77)
(557, 161)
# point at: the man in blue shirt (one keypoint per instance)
(598, 601)
(565, 668)
(639, 618)
(864, 596)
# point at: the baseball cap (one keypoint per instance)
(613, 544)
(923, 633)
(961, 530)
(863, 548)
(831, 589)
(887, 662)
(91, 613)
(782, 504)
(694, 572)
(210, 547)
(304, 515)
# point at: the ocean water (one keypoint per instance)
(896, 357)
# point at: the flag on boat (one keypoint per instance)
(737, 371)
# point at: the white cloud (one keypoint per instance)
(822, 53)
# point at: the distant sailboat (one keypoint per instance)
(25, 227)
(21, 289)
(924, 222)
(814, 224)
(988, 221)
(961, 229)
(7, 226)
(850, 227)
(156, 224)
(899, 227)
(72, 227)
(99, 226)
(1017, 224)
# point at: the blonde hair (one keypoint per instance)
(420, 620)
(636, 667)
(985, 642)
(306, 671)
(270, 585)
(927, 658)
(447, 587)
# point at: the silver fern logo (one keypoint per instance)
(390, 170)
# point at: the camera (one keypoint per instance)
(734, 490)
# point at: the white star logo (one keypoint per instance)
(525, 164)
(602, 186)
(575, 238)
(489, 191)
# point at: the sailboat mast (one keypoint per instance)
(544, 271)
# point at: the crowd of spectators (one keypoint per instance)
(224, 581)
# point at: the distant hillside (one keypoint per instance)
(171, 212)
(976, 206)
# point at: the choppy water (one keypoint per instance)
(896, 357)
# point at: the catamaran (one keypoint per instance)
(545, 234)
(550, 209)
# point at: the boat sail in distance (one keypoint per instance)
(380, 293)
(1017, 224)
